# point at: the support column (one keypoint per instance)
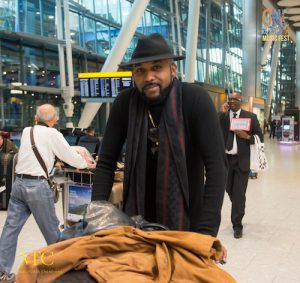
(1, 91)
(179, 39)
(208, 29)
(60, 37)
(41, 17)
(173, 25)
(251, 48)
(297, 98)
(62, 66)
(116, 55)
(225, 42)
(276, 49)
(68, 93)
(192, 40)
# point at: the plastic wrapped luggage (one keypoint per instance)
(7, 170)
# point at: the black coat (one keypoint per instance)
(243, 145)
(204, 149)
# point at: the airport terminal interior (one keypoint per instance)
(61, 51)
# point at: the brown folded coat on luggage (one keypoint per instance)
(127, 254)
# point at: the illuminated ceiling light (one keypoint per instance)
(296, 24)
(4, 73)
(34, 66)
(32, 94)
(292, 11)
(288, 3)
(295, 18)
(51, 17)
(32, 72)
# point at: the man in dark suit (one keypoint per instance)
(237, 144)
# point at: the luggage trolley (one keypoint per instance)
(77, 193)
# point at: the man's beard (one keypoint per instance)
(150, 84)
(163, 93)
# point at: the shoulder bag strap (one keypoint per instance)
(37, 154)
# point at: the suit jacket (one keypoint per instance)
(243, 145)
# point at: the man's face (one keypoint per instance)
(152, 77)
(1, 141)
(235, 101)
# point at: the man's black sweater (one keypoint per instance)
(204, 147)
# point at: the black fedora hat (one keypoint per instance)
(151, 48)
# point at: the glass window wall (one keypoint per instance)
(52, 69)
(48, 18)
(33, 63)
(102, 39)
(11, 65)
(8, 14)
(89, 35)
(75, 28)
(114, 11)
(101, 8)
(30, 16)
(89, 4)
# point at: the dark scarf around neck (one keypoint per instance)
(172, 190)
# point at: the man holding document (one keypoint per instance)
(238, 127)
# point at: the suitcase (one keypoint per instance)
(7, 176)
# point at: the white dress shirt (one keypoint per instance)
(50, 143)
(234, 149)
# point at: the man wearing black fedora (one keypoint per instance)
(172, 134)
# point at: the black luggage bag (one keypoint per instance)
(7, 168)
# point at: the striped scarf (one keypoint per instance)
(172, 190)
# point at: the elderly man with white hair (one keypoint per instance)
(31, 192)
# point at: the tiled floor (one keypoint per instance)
(269, 252)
